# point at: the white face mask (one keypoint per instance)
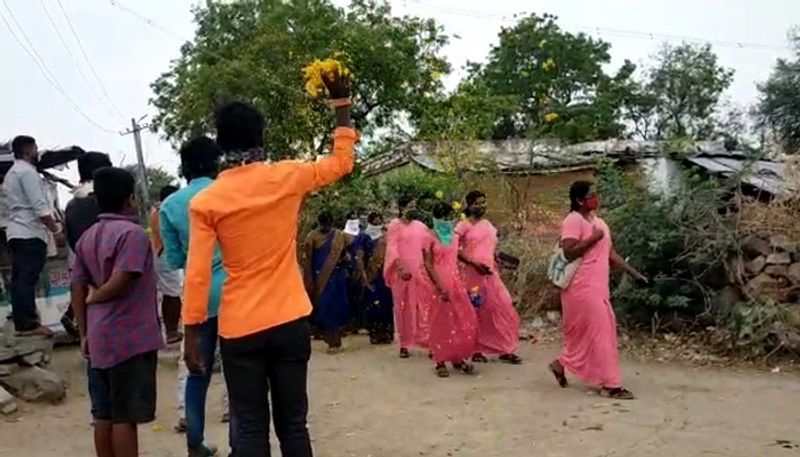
(352, 227)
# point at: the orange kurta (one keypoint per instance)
(253, 212)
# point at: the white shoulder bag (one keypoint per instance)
(560, 270)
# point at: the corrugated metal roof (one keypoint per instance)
(769, 176)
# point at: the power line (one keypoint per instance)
(144, 19)
(86, 57)
(48, 76)
(72, 56)
(621, 33)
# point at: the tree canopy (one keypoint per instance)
(254, 51)
(779, 105)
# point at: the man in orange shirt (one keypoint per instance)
(251, 212)
(169, 279)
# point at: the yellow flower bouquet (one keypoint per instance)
(319, 71)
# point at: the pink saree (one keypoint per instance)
(498, 321)
(412, 298)
(454, 325)
(589, 348)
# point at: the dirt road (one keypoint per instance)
(366, 402)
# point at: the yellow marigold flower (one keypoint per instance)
(439, 194)
(463, 217)
(550, 117)
(313, 72)
(456, 206)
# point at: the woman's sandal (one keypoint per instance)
(404, 354)
(512, 359)
(558, 372)
(617, 393)
(441, 371)
(479, 358)
(464, 367)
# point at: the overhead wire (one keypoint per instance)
(86, 58)
(74, 60)
(48, 75)
(621, 33)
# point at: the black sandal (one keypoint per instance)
(404, 354)
(617, 393)
(512, 359)
(479, 358)
(464, 367)
(558, 371)
(441, 370)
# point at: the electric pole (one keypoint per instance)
(141, 169)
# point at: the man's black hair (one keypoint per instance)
(90, 162)
(200, 158)
(442, 210)
(20, 144)
(374, 217)
(474, 196)
(112, 188)
(166, 191)
(240, 127)
(578, 191)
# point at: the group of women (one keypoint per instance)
(442, 290)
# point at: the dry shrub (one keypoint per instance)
(529, 286)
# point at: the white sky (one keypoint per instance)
(128, 54)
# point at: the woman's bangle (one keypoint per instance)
(340, 102)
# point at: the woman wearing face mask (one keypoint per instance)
(454, 325)
(378, 298)
(404, 273)
(590, 334)
(498, 321)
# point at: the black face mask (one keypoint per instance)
(478, 211)
(413, 215)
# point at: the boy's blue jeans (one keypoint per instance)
(197, 387)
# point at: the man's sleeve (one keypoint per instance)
(202, 242)
(326, 171)
(173, 249)
(31, 185)
(133, 252)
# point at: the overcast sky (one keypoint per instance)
(127, 53)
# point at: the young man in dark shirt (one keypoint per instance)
(115, 300)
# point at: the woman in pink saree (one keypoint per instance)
(404, 273)
(589, 348)
(498, 321)
(454, 325)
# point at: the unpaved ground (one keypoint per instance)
(366, 402)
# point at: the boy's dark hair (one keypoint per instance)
(442, 210)
(20, 144)
(200, 158)
(166, 191)
(90, 162)
(578, 191)
(374, 217)
(240, 127)
(404, 201)
(112, 188)
(473, 196)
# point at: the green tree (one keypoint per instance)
(157, 178)
(539, 81)
(686, 83)
(779, 105)
(254, 51)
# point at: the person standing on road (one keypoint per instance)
(200, 166)
(327, 265)
(404, 271)
(31, 221)
(252, 211)
(169, 279)
(378, 298)
(498, 329)
(589, 348)
(454, 325)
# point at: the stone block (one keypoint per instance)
(8, 404)
(779, 258)
(782, 243)
(793, 273)
(755, 246)
(755, 266)
(777, 270)
(36, 384)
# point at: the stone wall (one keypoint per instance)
(24, 374)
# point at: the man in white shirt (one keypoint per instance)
(30, 221)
